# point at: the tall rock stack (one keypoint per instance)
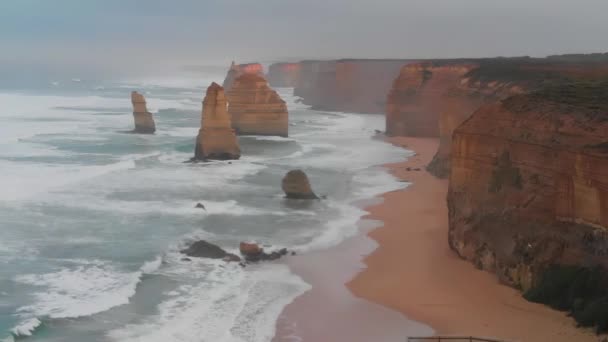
(144, 122)
(256, 108)
(216, 138)
(237, 70)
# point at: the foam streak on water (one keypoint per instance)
(93, 219)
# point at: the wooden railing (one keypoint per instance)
(452, 339)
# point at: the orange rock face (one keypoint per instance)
(283, 74)
(237, 70)
(529, 183)
(144, 121)
(216, 138)
(255, 108)
(353, 85)
(413, 107)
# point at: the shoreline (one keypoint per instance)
(399, 270)
(415, 272)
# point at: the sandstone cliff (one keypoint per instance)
(283, 74)
(255, 108)
(348, 85)
(216, 139)
(144, 121)
(432, 98)
(237, 70)
(529, 188)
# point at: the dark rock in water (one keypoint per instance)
(252, 252)
(200, 206)
(408, 169)
(296, 185)
(378, 131)
(204, 249)
(293, 252)
(186, 259)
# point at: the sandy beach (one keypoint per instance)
(414, 272)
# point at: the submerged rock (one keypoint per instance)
(200, 206)
(296, 185)
(204, 249)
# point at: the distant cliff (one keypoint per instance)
(256, 108)
(432, 98)
(347, 85)
(283, 74)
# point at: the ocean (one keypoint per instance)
(92, 219)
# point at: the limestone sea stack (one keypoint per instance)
(296, 185)
(144, 122)
(255, 108)
(216, 138)
(237, 70)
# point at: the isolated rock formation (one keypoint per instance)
(529, 183)
(348, 85)
(144, 121)
(296, 185)
(255, 108)
(237, 70)
(283, 74)
(216, 138)
(252, 252)
(204, 249)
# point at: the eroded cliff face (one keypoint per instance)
(283, 74)
(216, 138)
(433, 98)
(529, 183)
(414, 103)
(237, 70)
(144, 121)
(255, 108)
(358, 86)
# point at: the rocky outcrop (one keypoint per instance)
(237, 70)
(252, 252)
(144, 121)
(529, 183)
(216, 138)
(348, 85)
(204, 249)
(296, 185)
(256, 108)
(283, 74)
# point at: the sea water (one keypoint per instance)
(92, 219)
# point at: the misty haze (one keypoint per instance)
(280, 170)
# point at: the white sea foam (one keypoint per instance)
(231, 304)
(268, 138)
(27, 327)
(20, 180)
(77, 292)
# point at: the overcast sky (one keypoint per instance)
(133, 33)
